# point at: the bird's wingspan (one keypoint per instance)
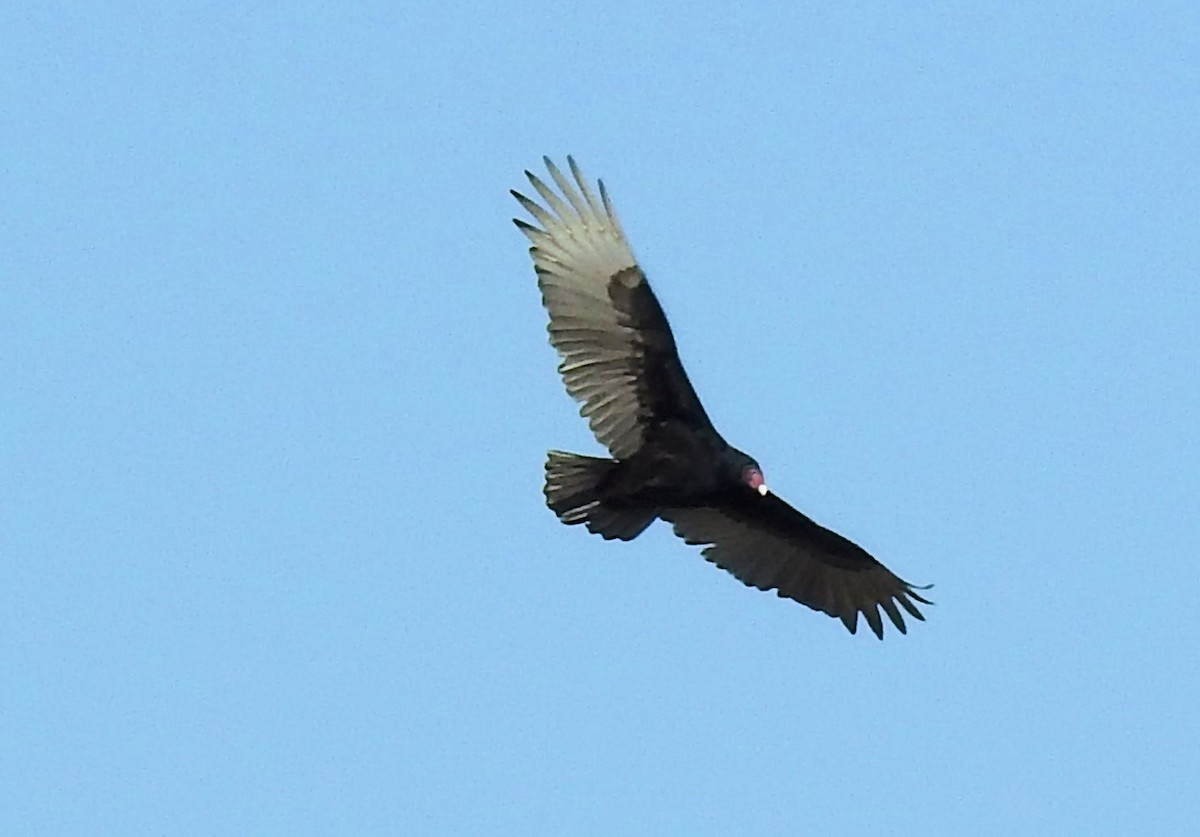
(618, 353)
(765, 543)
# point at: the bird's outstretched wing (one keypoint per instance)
(618, 353)
(767, 544)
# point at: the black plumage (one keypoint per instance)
(619, 359)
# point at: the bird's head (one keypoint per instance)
(752, 475)
(749, 473)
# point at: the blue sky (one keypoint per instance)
(277, 396)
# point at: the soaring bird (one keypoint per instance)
(668, 461)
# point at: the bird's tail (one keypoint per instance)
(571, 493)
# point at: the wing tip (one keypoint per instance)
(911, 590)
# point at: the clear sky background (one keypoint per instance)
(276, 396)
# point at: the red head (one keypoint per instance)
(752, 475)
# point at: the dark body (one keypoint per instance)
(668, 461)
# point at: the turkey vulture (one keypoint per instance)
(668, 461)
